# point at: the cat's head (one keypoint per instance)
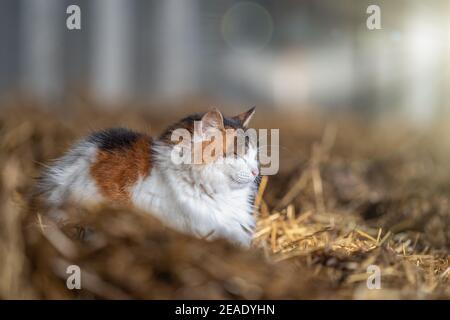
(218, 148)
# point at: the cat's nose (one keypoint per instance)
(255, 172)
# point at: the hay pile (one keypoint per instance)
(347, 196)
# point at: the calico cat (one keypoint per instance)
(211, 199)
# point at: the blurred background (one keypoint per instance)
(364, 142)
(280, 55)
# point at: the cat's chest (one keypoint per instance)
(219, 216)
(195, 209)
(226, 208)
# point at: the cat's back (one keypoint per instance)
(123, 157)
(103, 165)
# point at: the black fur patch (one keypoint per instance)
(114, 138)
(227, 122)
(188, 122)
(231, 123)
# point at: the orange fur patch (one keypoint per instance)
(227, 145)
(116, 171)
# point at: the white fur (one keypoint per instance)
(68, 178)
(211, 201)
(203, 200)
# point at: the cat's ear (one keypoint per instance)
(213, 119)
(245, 117)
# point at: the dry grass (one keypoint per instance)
(347, 196)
